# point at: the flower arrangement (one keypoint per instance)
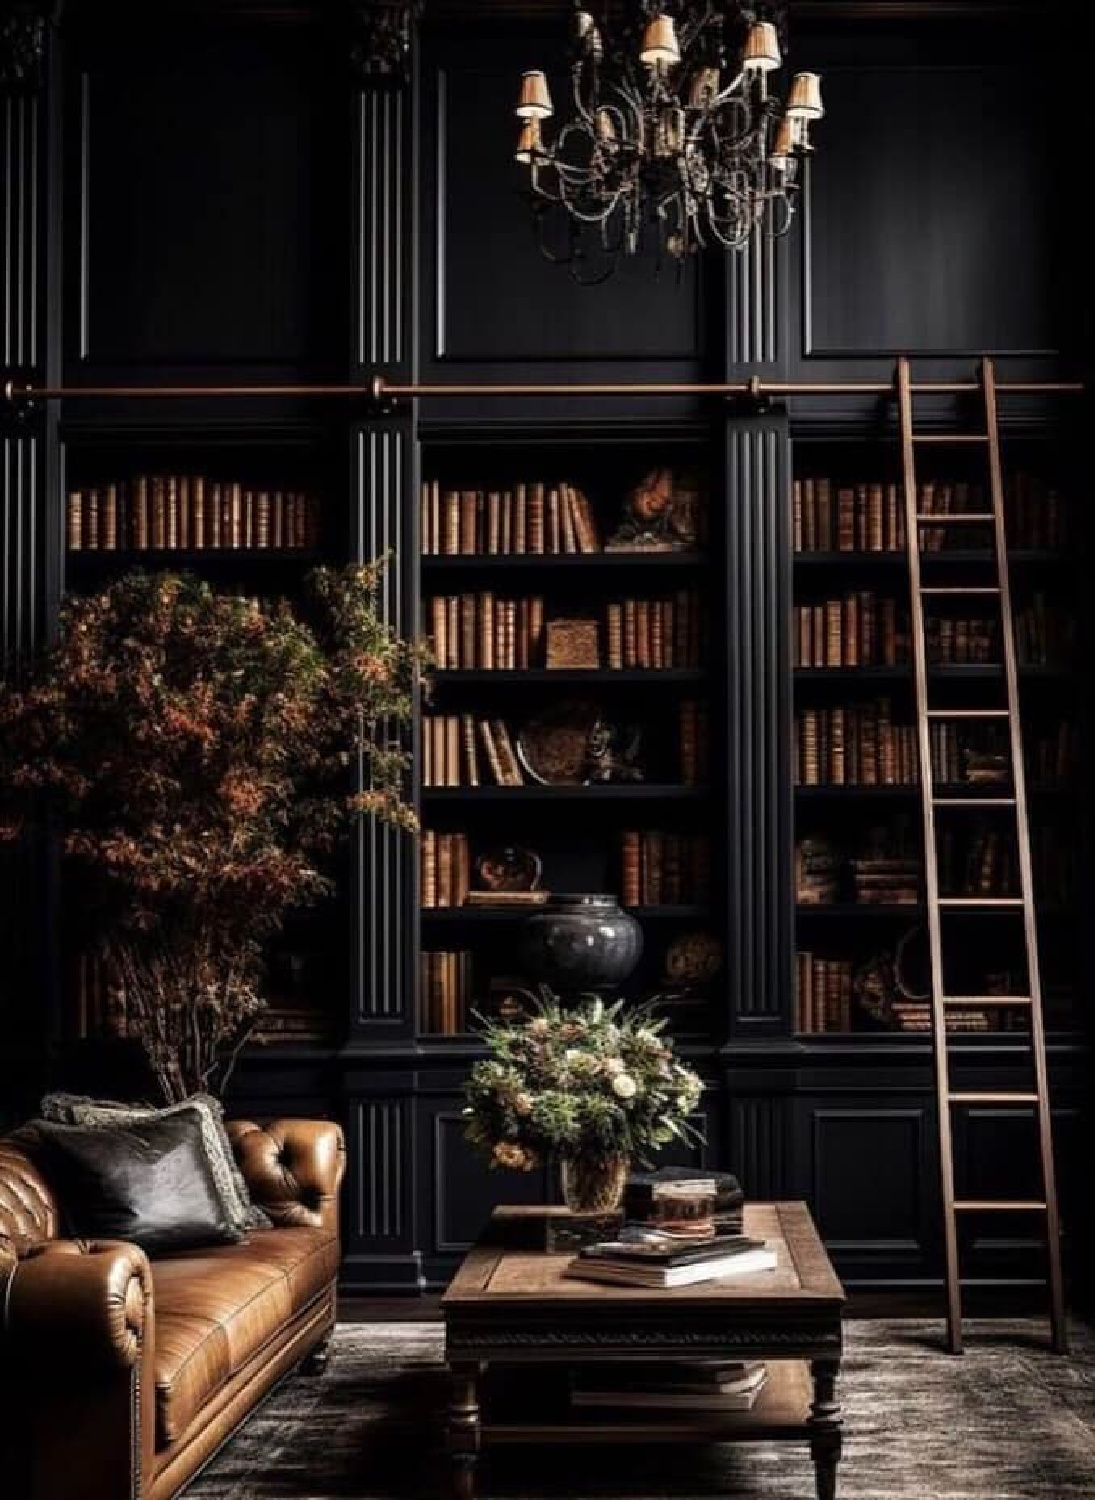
(589, 1082)
(195, 754)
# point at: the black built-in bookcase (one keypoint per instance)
(213, 194)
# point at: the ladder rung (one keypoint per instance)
(974, 902)
(999, 1206)
(980, 1001)
(968, 713)
(950, 437)
(966, 1097)
(940, 593)
(974, 801)
(957, 518)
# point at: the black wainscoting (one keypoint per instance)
(226, 203)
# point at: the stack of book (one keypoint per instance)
(655, 633)
(534, 518)
(1042, 636)
(662, 1261)
(1054, 757)
(847, 518)
(180, 512)
(977, 862)
(953, 641)
(446, 868)
(443, 993)
(858, 630)
(460, 750)
(916, 1016)
(823, 993)
(886, 880)
(857, 744)
(479, 632)
(704, 1385)
(664, 869)
(817, 872)
(1034, 514)
(694, 740)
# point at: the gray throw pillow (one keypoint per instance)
(240, 1212)
(148, 1183)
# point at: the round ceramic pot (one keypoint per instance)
(581, 943)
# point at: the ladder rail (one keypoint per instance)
(1026, 874)
(931, 874)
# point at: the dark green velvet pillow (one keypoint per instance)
(148, 1182)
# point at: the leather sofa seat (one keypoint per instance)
(216, 1309)
(121, 1376)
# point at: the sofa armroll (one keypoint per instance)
(90, 1298)
(293, 1169)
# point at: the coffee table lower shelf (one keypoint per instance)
(781, 1413)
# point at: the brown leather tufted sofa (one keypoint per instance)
(121, 1377)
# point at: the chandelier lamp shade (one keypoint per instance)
(674, 134)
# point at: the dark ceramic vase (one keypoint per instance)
(579, 943)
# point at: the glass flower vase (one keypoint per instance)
(593, 1184)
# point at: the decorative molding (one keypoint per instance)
(757, 1145)
(382, 39)
(20, 236)
(22, 543)
(379, 1162)
(754, 282)
(386, 859)
(759, 815)
(384, 214)
(23, 28)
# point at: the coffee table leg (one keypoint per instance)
(464, 1429)
(825, 1426)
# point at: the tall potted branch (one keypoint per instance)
(195, 755)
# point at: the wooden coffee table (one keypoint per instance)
(509, 1306)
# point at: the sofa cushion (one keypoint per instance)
(78, 1109)
(215, 1309)
(149, 1184)
(191, 1366)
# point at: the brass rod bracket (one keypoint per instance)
(381, 402)
(20, 401)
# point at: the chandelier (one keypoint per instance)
(675, 136)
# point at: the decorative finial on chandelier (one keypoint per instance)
(673, 135)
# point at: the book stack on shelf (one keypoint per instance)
(462, 750)
(1043, 635)
(823, 993)
(664, 869)
(1033, 514)
(446, 868)
(483, 633)
(1053, 757)
(956, 641)
(980, 861)
(655, 633)
(857, 744)
(189, 512)
(597, 555)
(817, 872)
(444, 992)
(829, 517)
(694, 742)
(859, 629)
(702, 1385)
(534, 518)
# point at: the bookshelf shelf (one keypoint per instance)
(641, 793)
(597, 562)
(897, 562)
(541, 677)
(456, 916)
(165, 557)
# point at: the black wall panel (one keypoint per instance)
(206, 201)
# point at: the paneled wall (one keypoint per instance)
(224, 200)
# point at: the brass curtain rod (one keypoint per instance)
(380, 390)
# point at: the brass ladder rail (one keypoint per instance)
(947, 1098)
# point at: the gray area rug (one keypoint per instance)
(1008, 1421)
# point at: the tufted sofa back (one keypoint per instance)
(28, 1209)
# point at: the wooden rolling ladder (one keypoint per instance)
(941, 907)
